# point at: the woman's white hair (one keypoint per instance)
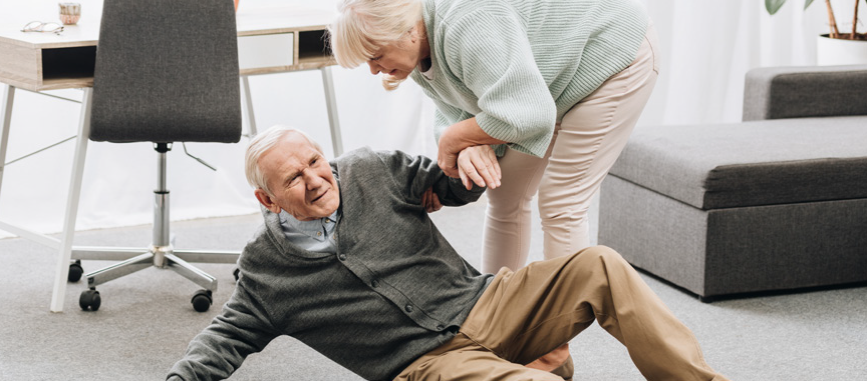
(362, 27)
(260, 144)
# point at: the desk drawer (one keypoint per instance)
(263, 51)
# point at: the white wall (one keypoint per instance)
(706, 48)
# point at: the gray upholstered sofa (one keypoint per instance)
(778, 201)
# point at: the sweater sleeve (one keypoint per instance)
(214, 354)
(446, 115)
(413, 175)
(488, 50)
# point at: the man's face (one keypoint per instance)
(299, 178)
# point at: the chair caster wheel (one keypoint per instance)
(89, 299)
(202, 300)
(75, 271)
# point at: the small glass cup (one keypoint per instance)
(70, 13)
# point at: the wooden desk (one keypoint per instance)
(45, 61)
(270, 40)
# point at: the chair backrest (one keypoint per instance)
(167, 71)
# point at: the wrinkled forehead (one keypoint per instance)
(292, 151)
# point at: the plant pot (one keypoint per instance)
(835, 51)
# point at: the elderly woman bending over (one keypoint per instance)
(549, 92)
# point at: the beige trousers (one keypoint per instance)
(526, 314)
(585, 145)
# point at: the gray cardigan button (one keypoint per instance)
(341, 257)
(374, 283)
(408, 308)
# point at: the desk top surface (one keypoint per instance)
(253, 18)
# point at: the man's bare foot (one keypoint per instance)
(552, 360)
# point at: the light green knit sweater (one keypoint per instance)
(519, 65)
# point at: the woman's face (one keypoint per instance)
(399, 59)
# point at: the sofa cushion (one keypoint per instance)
(806, 91)
(754, 163)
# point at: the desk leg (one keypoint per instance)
(331, 104)
(72, 199)
(8, 97)
(248, 106)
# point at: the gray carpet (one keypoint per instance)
(146, 320)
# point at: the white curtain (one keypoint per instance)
(706, 48)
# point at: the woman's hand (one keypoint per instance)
(479, 165)
(455, 139)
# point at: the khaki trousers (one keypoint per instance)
(526, 314)
(585, 145)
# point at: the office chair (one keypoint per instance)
(166, 71)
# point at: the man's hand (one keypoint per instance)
(447, 154)
(430, 201)
(552, 360)
(479, 165)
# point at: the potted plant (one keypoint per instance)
(834, 48)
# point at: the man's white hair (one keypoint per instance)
(260, 144)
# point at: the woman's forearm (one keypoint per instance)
(466, 133)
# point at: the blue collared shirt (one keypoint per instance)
(316, 235)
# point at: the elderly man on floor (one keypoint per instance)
(349, 263)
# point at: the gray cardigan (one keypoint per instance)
(395, 289)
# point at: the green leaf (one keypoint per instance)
(807, 3)
(774, 5)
